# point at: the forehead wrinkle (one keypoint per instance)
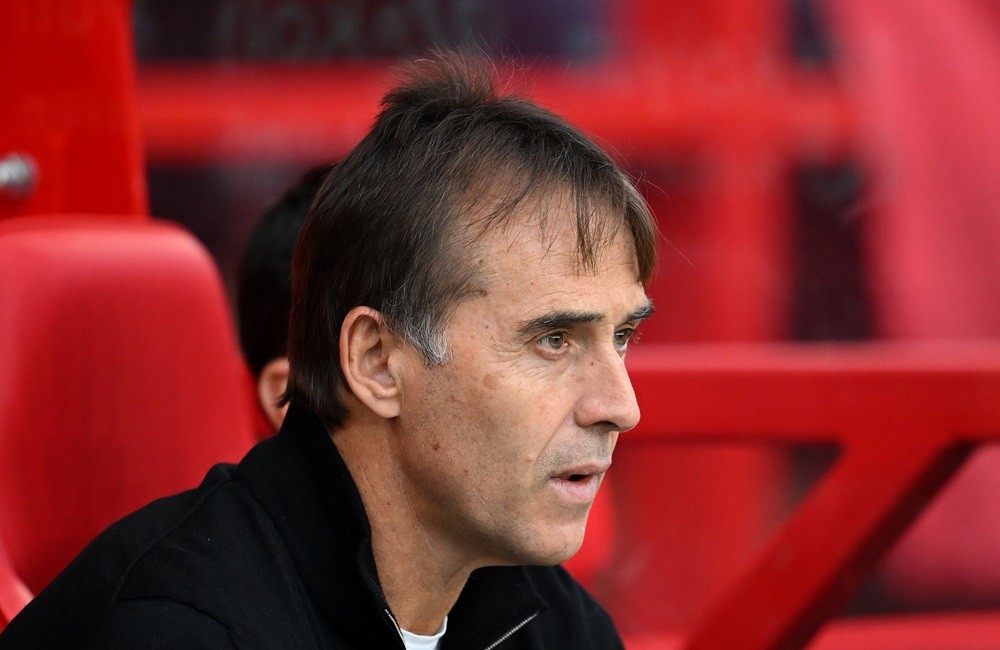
(519, 208)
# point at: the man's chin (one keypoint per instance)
(559, 551)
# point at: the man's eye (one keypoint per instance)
(623, 336)
(554, 341)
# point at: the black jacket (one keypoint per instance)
(276, 553)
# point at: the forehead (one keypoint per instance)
(534, 258)
(544, 227)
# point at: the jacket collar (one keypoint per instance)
(301, 480)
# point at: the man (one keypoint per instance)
(264, 293)
(464, 292)
(264, 299)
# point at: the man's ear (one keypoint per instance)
(271, 384)
(366, 350)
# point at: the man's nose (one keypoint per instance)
(607, 400)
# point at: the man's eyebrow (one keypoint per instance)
(567, 319)
(558, 320)
(641, 313)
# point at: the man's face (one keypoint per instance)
(505, 446)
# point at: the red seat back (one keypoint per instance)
(120, 379)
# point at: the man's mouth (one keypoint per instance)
(583, 471)
(580, 483)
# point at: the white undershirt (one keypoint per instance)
(421, 642)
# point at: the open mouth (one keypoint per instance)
(582, 473)
(575, 477)
(577, 487)
(579, 482)
(578, 478)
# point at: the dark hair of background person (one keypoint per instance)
(264, 277)
(395, 224)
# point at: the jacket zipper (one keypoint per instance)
(399, 630)
(493, 645)
(511, 631)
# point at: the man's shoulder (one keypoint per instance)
(157, 623)
(209, 555)
(142, 550)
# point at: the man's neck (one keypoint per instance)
(421, 580)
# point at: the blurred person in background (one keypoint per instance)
(264, 292)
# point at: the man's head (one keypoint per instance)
(396, 224)
(264, 290)
(476, 265)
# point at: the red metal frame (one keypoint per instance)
(258, 112)
(711, 81)
(904, 416)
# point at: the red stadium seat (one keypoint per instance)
(13, 593)
(120, 382)
(69, 104)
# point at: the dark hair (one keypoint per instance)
(394, 225)
(264, 278)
